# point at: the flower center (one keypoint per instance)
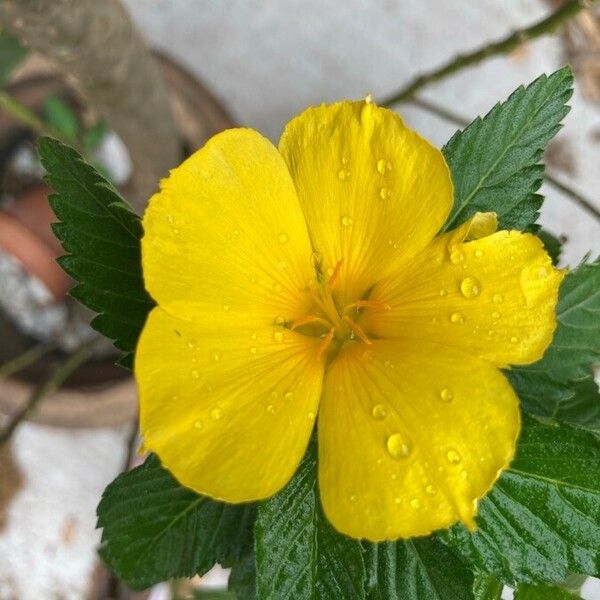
(333, 325)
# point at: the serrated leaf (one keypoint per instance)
(487, 587)
(154, 529)
(560, 386)
(418, 569)
(541, 520)
(101, 235)
(242, 579)
(298, 554)
(11, 54)
(60, 116)
(543, 592)
(495, 161)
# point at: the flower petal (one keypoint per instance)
(229, 411)
(411, 435)
(226, 234)
(373, 191)
(494, 297)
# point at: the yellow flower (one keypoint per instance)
(306, 285)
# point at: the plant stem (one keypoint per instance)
(23, 360)
(55, 380)
(503, 46)
(450, 116)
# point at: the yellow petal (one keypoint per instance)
(494, 297)
(411, 435)
(225, 238)
(373, 191)
(229, 411)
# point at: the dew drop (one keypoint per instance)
(216, 355)
(478, 253)
(353, 498)
(253, 350)
(498, 299)
(343, 174)
(346, 221)
(457, 318)
(415, 504)
(282, 265)
(345, 160)
(311, 416)
(216, 413)
(379, 412)
(383, 165)
(446, 395)
(464, 474)
(430, 490)
(195, 374)
(282, 238)
(496, 315)
(491, 333)
(289, 395)
(443, 293)
(457, 257)
(453, 456)
(385, 193)
(198, 424)
(514, 339)
(271, 409)
(279, 321)
(171, 219)
(226, 307)
(434, 320)
(470, 287)
(397, 446)
(236, 232)
(278, 336)
(253, 336)
(397, 500)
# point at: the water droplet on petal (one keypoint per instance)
(498, 299)
(279, 321)
(478, 253)
(457, 318)
(434, 320)
(195, 374)
(496, 315)
(345, 160)
(379, 412)
(464, 474)
(446, 395)
(397, 446)
(383, 165)
(216, 355)
(443, 293)
(343, 174)
(198, 424)
(491, 333)
(514, 339)
(216, 413)
(226, 307)
(253, 350)
(397, 500)
(430, 490)
(470, 287)
(289, 395)
(453, 456)
(415, 504)
(278, 336)
(457, 257)
(385, 193)
(346, 221)
(282, 238)
(271, 409)
(311, 416)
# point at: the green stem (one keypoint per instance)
(21, 113)
(23, 360)
(57, 378)
(503, 46)
(450, 116)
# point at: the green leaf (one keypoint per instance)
(495, 161)
(560, 386)
(298, 554)
(11, 53)
(154, 529)
(61, 118)
(242, 579)
(552, 245)
(543, 592)
(418, 569)
(101, 235)
(541, 521)
(487, 587)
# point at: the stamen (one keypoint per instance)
(325, 343)
(373, 304)
(357, 330)
(335, 274)
(309, 319)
